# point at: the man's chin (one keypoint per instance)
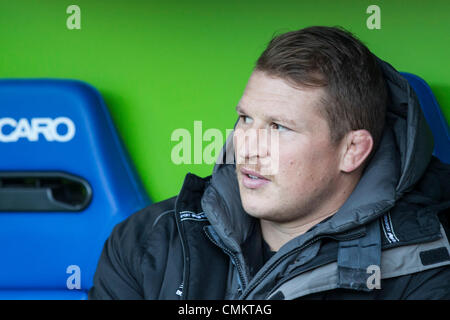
(257, 210)
(257, 203)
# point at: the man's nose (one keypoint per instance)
(251, 144)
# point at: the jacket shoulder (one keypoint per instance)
(119, 272)
(139, 225)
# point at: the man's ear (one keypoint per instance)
(356, 147)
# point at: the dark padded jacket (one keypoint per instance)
(202, 245)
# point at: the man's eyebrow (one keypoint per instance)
(284, 120)
(272, 118)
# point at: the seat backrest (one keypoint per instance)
(65, 181)
(433, 115)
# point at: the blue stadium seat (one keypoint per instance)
(65, 181)
(433, 115)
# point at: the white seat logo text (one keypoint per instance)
(12, 130)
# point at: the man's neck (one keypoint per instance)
(277, 234)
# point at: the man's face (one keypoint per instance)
(307, 170)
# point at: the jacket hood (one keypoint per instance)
(400, 161)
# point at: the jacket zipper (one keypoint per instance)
(184, 282)
(233, 257)
(286, 255)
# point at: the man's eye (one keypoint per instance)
(246, 119)
(278, 127)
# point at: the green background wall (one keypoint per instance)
(161, 65)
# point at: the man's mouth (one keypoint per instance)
(252, 179)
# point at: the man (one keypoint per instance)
(356, 206)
